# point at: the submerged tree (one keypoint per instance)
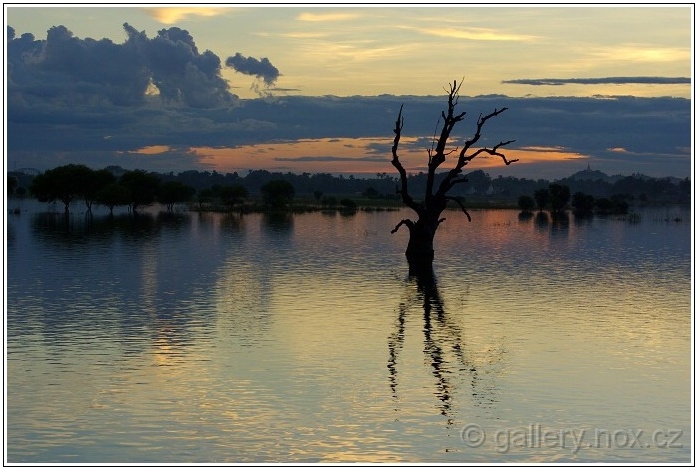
(173, 192)
(526, 204)
(233, 195)
(94, 182)
(559, 197)
(582, 204)
(278, 193)
(420, 248)
(113, 195)
(542, 196)
(142, 187)
(63, 183)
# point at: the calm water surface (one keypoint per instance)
(218, 338)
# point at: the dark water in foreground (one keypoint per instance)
(218, 338)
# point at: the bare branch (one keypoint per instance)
(478, 132)
(420, 250)
(407, 222)
(493, 151)
(433, 139)
(456, 181)
(456, 89)
(451, 198)
(463, 159)
(439, 152)
(398, 130)
(406, 198)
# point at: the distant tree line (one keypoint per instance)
(114, 186)
(480, 185)
(556, 198)
(137, 188)
(134, 189)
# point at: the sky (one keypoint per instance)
(318, 89)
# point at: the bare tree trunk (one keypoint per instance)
(66, 203)
(420, 248)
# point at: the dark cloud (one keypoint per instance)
(604, 80)
(286, 90)
(178, 70)
(67, 70)
(58, 114)
(262, 69)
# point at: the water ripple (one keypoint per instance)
(258, 338)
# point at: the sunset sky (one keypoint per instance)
(318, 89)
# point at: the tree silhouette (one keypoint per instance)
(142, 186)
(542, 196)
(93, 182)
(526, 203)
(11, 185)
(420, 248)
(233, 195)
(172, 192)
(113, 195)
(278, 193)
(582, 204)
(63, 183)
(559, 196)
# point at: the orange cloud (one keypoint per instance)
(529, 155)
(355, 155)
(153, 149)
(341, 155)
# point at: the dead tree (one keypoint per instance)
(420, 248)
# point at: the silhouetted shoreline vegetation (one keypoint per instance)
(75, 185)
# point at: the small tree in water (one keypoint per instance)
(420, 248)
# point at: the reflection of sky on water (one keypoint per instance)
(208, 337)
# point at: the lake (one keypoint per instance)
(207, 337)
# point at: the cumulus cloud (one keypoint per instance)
(262, 69)
(603, 80)
(67, 70)
(85, 101)
(178, 70)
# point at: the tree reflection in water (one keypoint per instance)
(443, 349)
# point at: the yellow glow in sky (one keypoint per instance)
(475, 34)
(355, 156)
(325, 17)
(349, 50)
(173, 15)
